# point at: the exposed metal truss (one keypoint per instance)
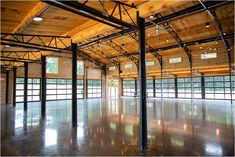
(91, 13)
(134, 35)
(39, 42)
(103, 55)
(43, 43)
(121, 51)
(173, 33)
(185, 12)
(19, 56)
(191, 43)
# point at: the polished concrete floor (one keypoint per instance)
(111, 127)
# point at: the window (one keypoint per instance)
(175, 60)
(52, 65)
(218, 87)
(149, 84)
(33, 89)
(129, 88)
(61, 89)
(168, 87)
(184, 87)
(80, 89)
(94, 88)
(19, 89)
(208, 55)
(80, 67)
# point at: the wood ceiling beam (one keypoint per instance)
(39, 7)
(90, 29)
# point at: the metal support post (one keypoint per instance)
(142, 84)
(176, 87)
(25, 86)
(74, 84)
(14, 86)
(7, 87)
(203, 86)
(154, 87)
(43, 86)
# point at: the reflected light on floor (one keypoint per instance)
(50, 137)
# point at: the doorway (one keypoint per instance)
(113, 88)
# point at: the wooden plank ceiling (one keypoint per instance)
(60, 22)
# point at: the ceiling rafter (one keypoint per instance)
(103, 55)
(191, 43)
(39, 7)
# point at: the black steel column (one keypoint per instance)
(154, 87)
(43, 86)
(176, 87)
(14, 87)
(74, 84)
(191, 74)
(135, 87)
(203, 86)
(142, 84)
(7, 87)
(25, 86)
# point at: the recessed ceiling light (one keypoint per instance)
(151, 16)
(207, 24)
(37, 18)
(224, 33)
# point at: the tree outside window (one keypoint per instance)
(52, 65)
(80, 67)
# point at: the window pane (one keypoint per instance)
(52, 65)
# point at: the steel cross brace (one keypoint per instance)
(42, 42)
(121, 51)
(103, 55)
(25, 55)
(149, 49)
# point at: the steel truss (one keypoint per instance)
(103, 55)
(121, 51)
(94, 14)
(20, 56)
(134, 36)
(42, 43)
(191, 43)
(39, 42)
(185, 12)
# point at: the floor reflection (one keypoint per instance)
(111, 127)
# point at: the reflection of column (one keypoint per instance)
(203, 111)
(74, 138)
(25, 123)
(154, 110)
(176, 110)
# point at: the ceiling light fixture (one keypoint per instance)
(207, 24)
(7, 45)
(37, 18)
(151, 16)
